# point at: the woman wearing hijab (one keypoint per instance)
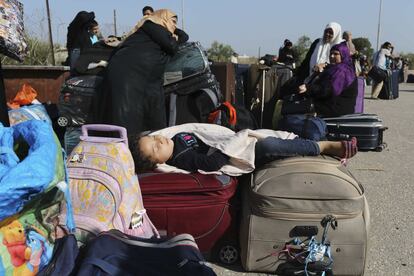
(133, 95)
(318, 54)
(78, 36)
(334, 90)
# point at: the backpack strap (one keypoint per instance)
(172, 117)
(213, 96)
(216, 118)
(231, 112)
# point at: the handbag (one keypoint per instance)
(12, 39)
(377, 74)
(297, 104)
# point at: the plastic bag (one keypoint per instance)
(12, 39)
(24, 96)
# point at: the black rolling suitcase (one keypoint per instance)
(367, 128)
(75, 100)
(395, 84)
(191, 90)
(390, 89)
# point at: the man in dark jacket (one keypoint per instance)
(286, 53)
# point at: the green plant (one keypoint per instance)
(219, 52)
(38, 53)
(363, 46)
(301, 47)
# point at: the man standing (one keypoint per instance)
(286, 54)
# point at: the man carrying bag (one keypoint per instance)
(379, 70)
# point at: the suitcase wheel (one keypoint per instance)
(380, 147)
(228, 254)
(63, 121)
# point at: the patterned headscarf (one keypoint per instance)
(161, 17)
(342, 74)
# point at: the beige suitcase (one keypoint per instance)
(300, 191)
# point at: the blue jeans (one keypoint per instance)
(272, 148)
(71, 138)
(74, 56)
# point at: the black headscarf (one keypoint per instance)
(78, 36)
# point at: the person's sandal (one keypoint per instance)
(351, 149)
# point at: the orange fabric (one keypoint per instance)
(232, 113)
(24, 96)
(212, 117)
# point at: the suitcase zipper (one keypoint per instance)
(180, 240)
(292, 216)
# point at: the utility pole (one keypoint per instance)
(115, 23)
(50, 33)
(182, 15)
(379, 25)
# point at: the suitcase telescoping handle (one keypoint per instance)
(105, 128)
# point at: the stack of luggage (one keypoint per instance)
(191, 90)
(110, 217)
(92, 214)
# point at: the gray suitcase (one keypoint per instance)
(367, 128)
(299, 192)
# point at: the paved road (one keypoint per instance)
(388, 177)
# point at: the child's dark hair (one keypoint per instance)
(142, 162)
(147, 8)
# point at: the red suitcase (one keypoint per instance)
(205, 206)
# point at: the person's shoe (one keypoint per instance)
(351, 148)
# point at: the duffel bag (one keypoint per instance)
(115, 253)
(377, 74)
(306, 126)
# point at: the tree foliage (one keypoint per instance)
(363, 46)
(219, 52)
(301, 47)
(408, 57)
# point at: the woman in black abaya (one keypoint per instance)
(133, 95)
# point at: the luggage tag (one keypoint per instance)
(137, 219)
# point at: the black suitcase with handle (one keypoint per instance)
(75, 100)
(390, 89)
(191, 90)
(367, 128)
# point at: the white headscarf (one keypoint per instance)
(322, 50)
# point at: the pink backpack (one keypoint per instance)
(104, 187)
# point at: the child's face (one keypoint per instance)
(94, 30)
(157, 148)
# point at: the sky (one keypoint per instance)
(250, 27)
